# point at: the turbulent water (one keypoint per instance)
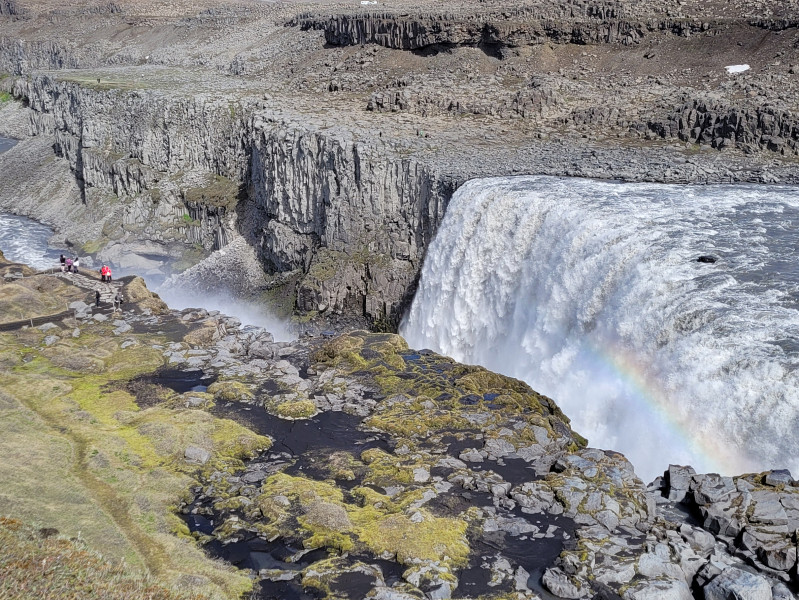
(24, 240)
(591, 292)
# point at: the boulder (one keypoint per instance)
(710, 489)
(327, 515)
(660, 590)
(557, 582)
(779, 477)
(699, 539)
(768, 509)
(196, 455)
(739, 584)
(678, 481)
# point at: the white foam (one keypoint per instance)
(590, 291)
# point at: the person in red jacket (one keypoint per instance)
(105, 273)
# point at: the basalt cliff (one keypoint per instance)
(306, 154)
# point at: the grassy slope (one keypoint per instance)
(78, 455)
(35, 564)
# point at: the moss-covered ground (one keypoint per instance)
(430, 394)
(78, 455)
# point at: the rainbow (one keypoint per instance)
(650, 398)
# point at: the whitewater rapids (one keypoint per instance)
(591, 292)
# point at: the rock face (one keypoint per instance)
(359, 223)
(719, 124)
(578, 23)
(353, 222)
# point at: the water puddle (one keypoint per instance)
(147, 389)
(6, 144)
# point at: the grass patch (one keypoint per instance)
(41, 564)
(78, 454)
(301, 409)
(218, 191)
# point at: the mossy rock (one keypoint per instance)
(204, 335)
(299, 409)
(219, 191)
(375, 527)
(136, 291)
(230, 391)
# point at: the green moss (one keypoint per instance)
(219, 191)
(98, 463)
(434, 538)
(235, 441)
(300, 409)
(93, 246)
(230, 391)
(372, 526)
(386, 469)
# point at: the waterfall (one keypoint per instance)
(591, 292)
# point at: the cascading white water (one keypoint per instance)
(591, 292)
(24, 240)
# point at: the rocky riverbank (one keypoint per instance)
(353, 466)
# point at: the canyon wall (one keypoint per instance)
(564, 24)
(169, 178)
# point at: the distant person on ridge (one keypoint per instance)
(69, 265)
(76, 264)
(63, 263)
(118, 300)
(97, 298)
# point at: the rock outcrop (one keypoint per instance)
(485, 477)
(573, 23)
